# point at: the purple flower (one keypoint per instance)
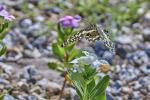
(5, 14)
(70, 21)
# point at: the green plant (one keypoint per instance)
(5, 19)
(88, 85)
(64, 54)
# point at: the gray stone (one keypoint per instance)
(32, 97)
(146, 34)
(29, 72)
(8, 97)
(25, 23)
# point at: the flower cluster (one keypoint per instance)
(5, 14)
(91, 59)
(70, 21)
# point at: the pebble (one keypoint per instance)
(40, 42)
(40, 18)
(126, 90)
(31, 97)
(50, 86)
(146, 34)
(147, 50)
(9, 97)
(138, 58)
(25, 23)
(29, 73)
(35, 53)
(3, 81)
(145, 69)
(70, 92)
(7, 68)
(124, 39)
(147, 16)
(56, 10)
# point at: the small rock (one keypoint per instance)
(20, 97)
(123, 39)
(70, 93)
(29, 73)
(40, 42)
(141, 11)
(147, 16)
(109, 96)
(23, 86)
(138, 58)
(2, 86)
(33, 54)
(136, 95)
(108, 56)
(127, 90)
(146, 34)
(36, 89)
(25, 23)
(32, 97)
(15, 93)
(147, 50)
(7, 68)
(53, 88)
(9, 97)
(145, 69)
(137, 86)
(100, 49)
(4, 82)
(40, 18)
(56, 10)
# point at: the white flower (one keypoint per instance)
(90, 59)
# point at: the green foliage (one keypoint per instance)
(3, 48)
(2, 96)
(122, 14)
(87, 83)
(88, 86)
(64, 54)
(4, 25)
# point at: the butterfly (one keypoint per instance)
(92, 33)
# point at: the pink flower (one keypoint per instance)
(70, 21)
(5, 14)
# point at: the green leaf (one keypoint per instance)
(3, 48)
(52, 65)
(2, 96)
(101, 97)
(2, 28)
(68, 31)
(101, 86)
(61, 32)
(89, 72)
(70, 47)
(55, 66)
(78, 82)
(74, 54)
(91, 85)
(58, 51)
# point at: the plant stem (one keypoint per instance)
(64, 83)
(65, 74)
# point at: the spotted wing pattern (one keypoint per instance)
(103, 37)
(80, 35)
(91, 33)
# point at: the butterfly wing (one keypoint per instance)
(109, 44)
(76, 37)
(79, 35)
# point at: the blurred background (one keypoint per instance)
(35, 29)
